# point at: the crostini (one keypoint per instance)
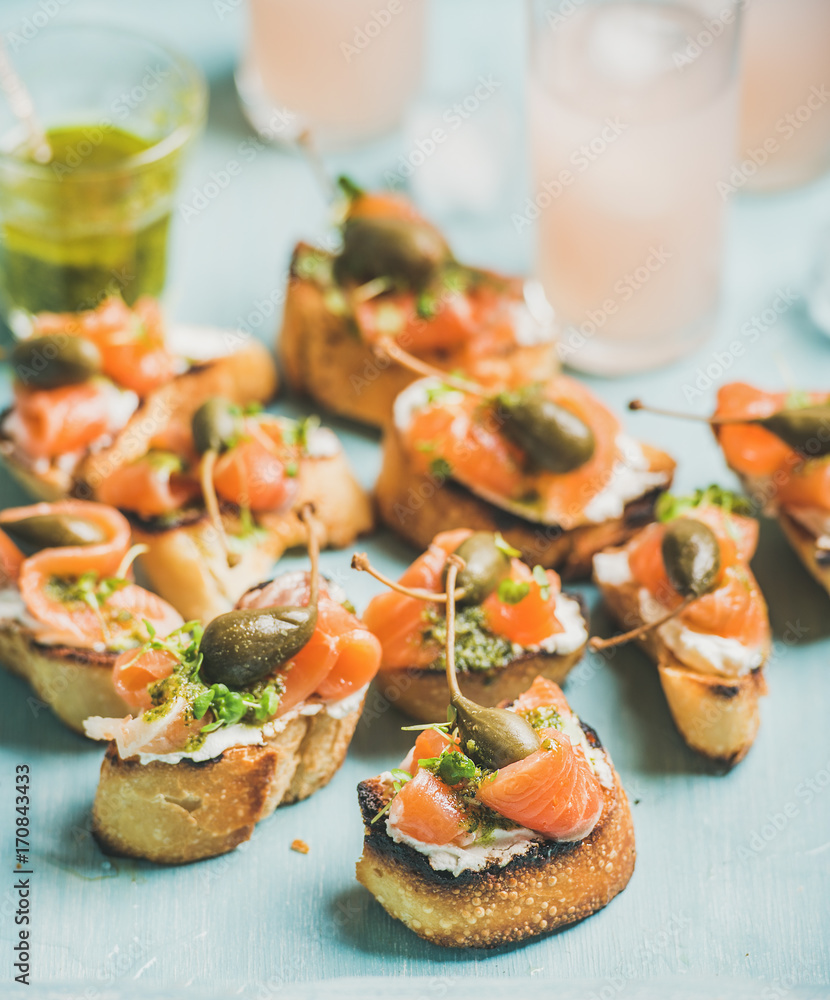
(395, 277)
(92, 390)
(504, 824)
(684, 586)
(778, 443)
(254, 712)
(215, 513)
(68, 608)
(547, 465)
(512, 625)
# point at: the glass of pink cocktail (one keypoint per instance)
(633, 119)
(785, 101)
(345, 69)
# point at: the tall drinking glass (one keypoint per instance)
(785, 113)
(345, 69)
(633, 134)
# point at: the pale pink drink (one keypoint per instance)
(346, 69)
(785, 112)
(630, 138)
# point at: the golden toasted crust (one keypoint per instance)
(324, 357)
(422, 694)
(552, 885)
(177, 813)
(417, 507)
(246, 375)
(816, 560)
(74, 682)
(716, 716)
(187, 566)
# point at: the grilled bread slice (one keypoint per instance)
(717, 716)
(814, 556)
(324, 356)
(246, 374)
(186, 565)
(550, 886)
(175, 813)
(417, 507)
(73, 682)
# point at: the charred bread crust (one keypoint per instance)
(717, 716)
(417, 507)
(74, 682)
(323, 356)
(816, 560)
(421, 692)
(186, 565)
(173, 814)
(550, 886)
(246, 375)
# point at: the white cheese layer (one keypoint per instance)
(612, 568)
(710, 654)
(629, 478)
(203, 343)
(13, 608)
(498, 847)
(226, 737)
(575, 634)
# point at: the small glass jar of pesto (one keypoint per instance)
(119, 112)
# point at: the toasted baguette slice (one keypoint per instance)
(552, 885)
(817, 560)
(716, 716)
(323, 356)
(244, 375)
(177, 813)
(417, 507)
(74, 682)
(187, 566)
(421, 693)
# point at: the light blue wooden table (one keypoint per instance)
(731, 896)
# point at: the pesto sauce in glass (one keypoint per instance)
(88, 225)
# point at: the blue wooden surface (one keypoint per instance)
(732, 887)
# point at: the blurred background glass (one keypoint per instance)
(119, 112)
(345, 69)
(785, 113)
(631, 128)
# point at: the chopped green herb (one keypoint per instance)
(513, 591)
(476, 648)
(505, 547)
(541, 577)
(440, 468)
(668, 506)
(426, 305)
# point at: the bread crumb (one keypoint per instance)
(300, 846)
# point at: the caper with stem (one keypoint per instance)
(485, 566)
(805, 429)
(55, 360)
(215, 425)
(408, 252)
(553, 438)
(691, 555)
(52, 531)
(247, 644)
(492, 737)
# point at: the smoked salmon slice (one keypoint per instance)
(426, 810)
(553, 791)
(49, 579)
(52, 422)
